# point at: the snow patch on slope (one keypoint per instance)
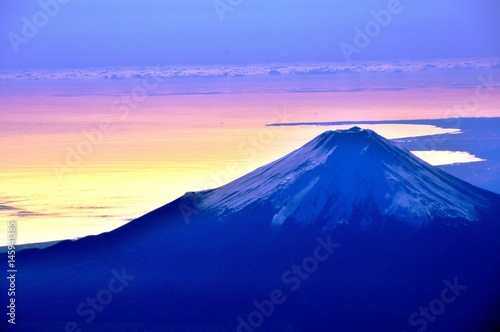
(294, 202)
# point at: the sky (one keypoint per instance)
(200, 80)
(64, 175)
(79, 33)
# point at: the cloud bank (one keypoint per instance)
(273, 69)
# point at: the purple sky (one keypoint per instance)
(77, 33)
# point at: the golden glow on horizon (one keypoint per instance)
(165, 147)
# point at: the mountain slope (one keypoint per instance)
(329, 178)
(397, 227)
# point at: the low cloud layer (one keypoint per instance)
(275, 69)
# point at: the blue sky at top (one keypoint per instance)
(87, 33)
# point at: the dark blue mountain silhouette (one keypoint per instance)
(348, 233)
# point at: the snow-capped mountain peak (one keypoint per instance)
(349, 176)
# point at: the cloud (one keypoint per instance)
(6, 207)
(12, 211)
(273, 69)
(26, 213)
